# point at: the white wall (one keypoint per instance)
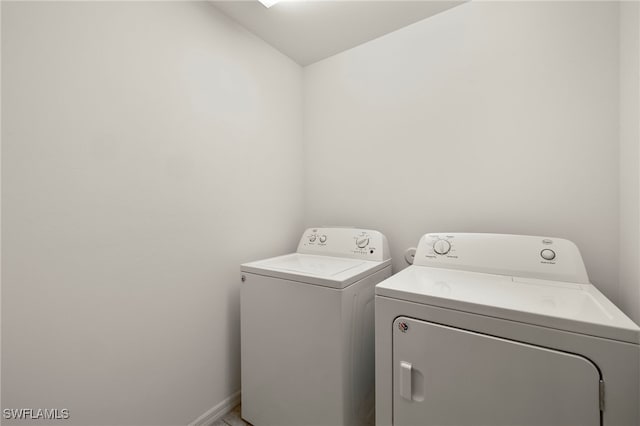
(148, 149)
(630, 159)
(489, 117)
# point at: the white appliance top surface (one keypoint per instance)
(579, 308)
(329, 271)
(320, 266)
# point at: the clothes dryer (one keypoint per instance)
(488, 329)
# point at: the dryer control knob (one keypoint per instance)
(442, 246)
(548, 254)
(362, 242)
(323, 238)
(312, 239)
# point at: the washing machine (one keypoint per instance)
(500, 330)
(307, 330)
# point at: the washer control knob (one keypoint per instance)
(312, 238)
(548, 254)
(442, 246)
(323, 238)
(362, 242)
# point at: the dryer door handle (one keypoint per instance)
(405, 380)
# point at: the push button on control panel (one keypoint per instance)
(548, 254)
(442, 246)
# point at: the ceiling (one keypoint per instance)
(310, 30)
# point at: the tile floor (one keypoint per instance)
(232, 419)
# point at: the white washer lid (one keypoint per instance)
(578, 308)
(328, 271)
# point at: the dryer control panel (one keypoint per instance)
(525, 256)
(355, 243)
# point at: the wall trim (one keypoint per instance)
(217, 411)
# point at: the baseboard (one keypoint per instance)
(218, 411)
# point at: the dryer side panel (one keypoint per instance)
(448, 376)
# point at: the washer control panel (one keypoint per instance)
(517, 255)
(345, 242)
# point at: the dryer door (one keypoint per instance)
(448, 376)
